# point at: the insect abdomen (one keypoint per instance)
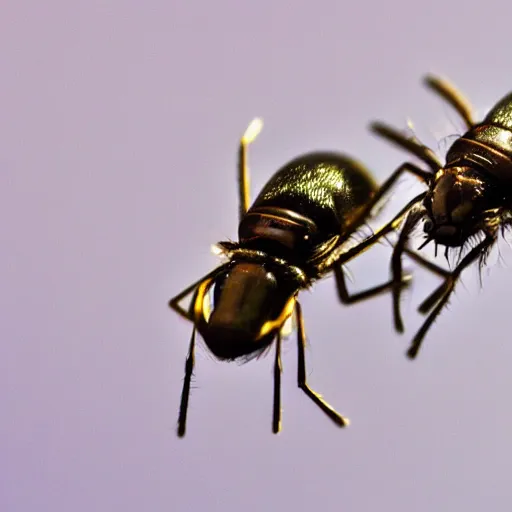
(327, 188)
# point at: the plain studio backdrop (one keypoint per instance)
(119, 125)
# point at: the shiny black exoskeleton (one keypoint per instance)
(470, 196)
(294, 233)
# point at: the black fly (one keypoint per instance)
(470, 196)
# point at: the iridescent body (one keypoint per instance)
(309, 207)
(312, 203)
(294, 233)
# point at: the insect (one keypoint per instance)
(469, 198)
(294, 233)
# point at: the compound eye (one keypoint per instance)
(428, 226)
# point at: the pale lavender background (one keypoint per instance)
(118, 129)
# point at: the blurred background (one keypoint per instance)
(119, 124)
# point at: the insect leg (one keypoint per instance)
(452, 96)
(301, 374)
(250, 134)
(174, 302)
(347, 298)
(412, 219)
(278, 368)
(424, 176)
(412, 145)
(442, 294)
(339, 256)
(425, 307)
(432, 267)
(189, 369)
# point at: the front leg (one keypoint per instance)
(340, 256)
(185, 393)
(335, 416)
(432, 267)
(174, 303)
(424, 176)
(347, 298)
(431, 301)
(440, 297)
(413, 217)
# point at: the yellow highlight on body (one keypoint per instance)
(202, 308)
